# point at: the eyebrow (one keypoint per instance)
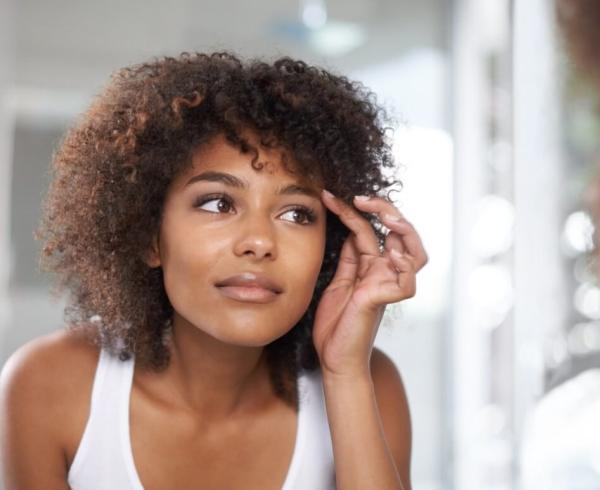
(233, 181)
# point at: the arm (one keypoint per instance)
(370, 426)
(30, 421)
(365, 399)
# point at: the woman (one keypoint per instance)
(224, 305)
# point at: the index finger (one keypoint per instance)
(365, 239)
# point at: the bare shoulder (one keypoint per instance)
(50, 362)
(394, 410)
(386, 378)
(45, 388)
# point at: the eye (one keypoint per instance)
(301, 215)
(219, 198)
(308, 215)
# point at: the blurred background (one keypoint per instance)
(495, 143)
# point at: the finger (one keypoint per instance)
(407, 274)
(366, 240)
(402, 262)
(388, 214)
(410, 238)
(376, 204)
(347, 267)
(390, 287)
(393, 241)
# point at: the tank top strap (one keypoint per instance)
(104, 444)
(312, 465)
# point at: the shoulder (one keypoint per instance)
(49, 363)
(48, 379)
(394, 409)
(389, 387)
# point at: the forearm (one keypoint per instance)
(362, 457)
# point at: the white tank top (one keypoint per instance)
(104, 459)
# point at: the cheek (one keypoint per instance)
(304, 262)
(187, 261)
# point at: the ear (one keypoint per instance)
(152, 255)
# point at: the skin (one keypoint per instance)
(365, 282)
(217, 345)
(218, 342)
(366, 451)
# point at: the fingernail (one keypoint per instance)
(362, 198)
(328, 194)
(391, 217)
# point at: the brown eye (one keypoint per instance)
(302, 215)
(223, 204)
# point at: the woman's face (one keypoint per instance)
(222, 218)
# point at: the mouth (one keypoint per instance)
(243, 281)
(249, 294)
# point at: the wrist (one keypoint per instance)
(362, 377)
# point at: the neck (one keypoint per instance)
(213, 378)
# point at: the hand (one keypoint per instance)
(366, 280)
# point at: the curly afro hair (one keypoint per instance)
(113, 167)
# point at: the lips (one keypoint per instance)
(248, 295)
(251, 280)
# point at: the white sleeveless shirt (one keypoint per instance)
(104, 458)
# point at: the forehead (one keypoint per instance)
(218, 152)
(219, 155)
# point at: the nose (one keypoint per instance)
(256, 239)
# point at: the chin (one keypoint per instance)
(247, 334)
